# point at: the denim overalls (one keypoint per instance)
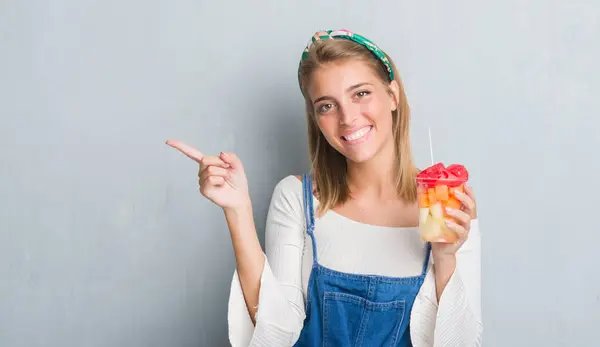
(344, 309)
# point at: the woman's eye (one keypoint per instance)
(324, 108)
(363, 93)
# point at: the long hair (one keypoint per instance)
(328, 166)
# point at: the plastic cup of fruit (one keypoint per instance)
(436, 188)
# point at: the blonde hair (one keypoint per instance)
(328, 166)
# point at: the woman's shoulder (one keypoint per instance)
(290, 183)
(289, 187)
(287, 198)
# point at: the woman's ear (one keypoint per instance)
(395, 95)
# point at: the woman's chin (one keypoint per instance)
(359, 156)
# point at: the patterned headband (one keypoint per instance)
(348, 35)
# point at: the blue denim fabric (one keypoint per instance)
(344, 309)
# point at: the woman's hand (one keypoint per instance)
(460, 224)
(222, 179)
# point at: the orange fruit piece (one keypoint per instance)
(441, 192)
(432, 196)
(453, 203)
(423, 200)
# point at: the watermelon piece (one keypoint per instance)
(452, 176)
(459, 171)
(432, 174)
(431, 171)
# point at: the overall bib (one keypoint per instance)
(344, 309)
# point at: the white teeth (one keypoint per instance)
(357, 135)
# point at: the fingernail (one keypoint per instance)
(450, 210)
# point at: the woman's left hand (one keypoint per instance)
(459, 224)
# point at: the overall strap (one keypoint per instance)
(427, 253)
(309, 212)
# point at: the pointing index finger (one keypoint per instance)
(189, 151)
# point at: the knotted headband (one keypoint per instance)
(348, 35)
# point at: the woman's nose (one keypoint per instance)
(348, 114)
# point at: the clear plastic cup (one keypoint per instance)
(436, 189)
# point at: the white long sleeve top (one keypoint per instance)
(350, 246)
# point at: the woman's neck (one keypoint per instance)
(375, 178)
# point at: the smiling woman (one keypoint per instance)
(355, 119)
(344, 264)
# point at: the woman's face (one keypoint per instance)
(353, 109)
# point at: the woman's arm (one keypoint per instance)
(444, 267)
(447, 311)
(249, 257)
(458, 319)
(455, 318)
(279, 316)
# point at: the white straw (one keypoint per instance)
(430, 146)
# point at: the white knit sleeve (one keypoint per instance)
(280, 315)
(456, 320)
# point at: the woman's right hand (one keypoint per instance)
(222, 179)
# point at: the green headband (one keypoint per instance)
(348, 35)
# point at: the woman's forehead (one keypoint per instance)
(336, 77)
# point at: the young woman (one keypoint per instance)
(344, 263)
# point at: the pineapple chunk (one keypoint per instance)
(423, 214)
(437, 211)
(431, 230)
